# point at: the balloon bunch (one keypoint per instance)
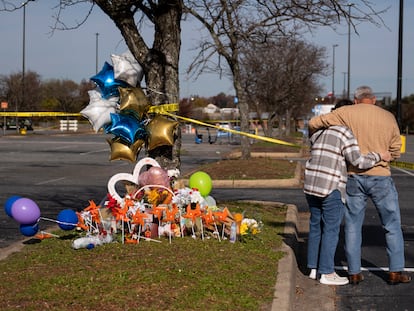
(120, 107)
(27, 213)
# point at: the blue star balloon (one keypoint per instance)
(106, 81)
(126, 127)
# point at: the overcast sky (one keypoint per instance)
(72, 54)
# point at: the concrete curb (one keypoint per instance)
(285, 287)
(13, 248)
(284, 293)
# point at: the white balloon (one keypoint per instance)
(126, 68)
(99, 110)
(211, 202)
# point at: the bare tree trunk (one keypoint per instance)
(244, 118)
(271, 121)
(280, 126)
(288, 121)
(160, 63)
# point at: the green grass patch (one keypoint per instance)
(187, 274)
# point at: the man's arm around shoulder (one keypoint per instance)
(326, 120)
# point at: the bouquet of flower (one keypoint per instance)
(184, 196)
(249, 228)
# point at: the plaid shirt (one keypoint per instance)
(326, 170)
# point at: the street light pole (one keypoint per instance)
(344, 89)
(23, 65)
(349, 49)
(400, 58)
(96, 53)
(333, 72)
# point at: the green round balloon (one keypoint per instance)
(202, 182)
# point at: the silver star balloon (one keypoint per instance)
(99, 110)
(127, 69)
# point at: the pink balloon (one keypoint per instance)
(143, 179)
(25, 211)
(154, 176)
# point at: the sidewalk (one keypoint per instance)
(294, 291)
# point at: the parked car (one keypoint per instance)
(23, 123)
(221, 133)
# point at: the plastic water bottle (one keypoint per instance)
(233, 232)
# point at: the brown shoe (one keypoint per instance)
(398, 277)
(354, 279)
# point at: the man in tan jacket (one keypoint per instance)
(375, 130)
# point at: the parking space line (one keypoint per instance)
(344, 268)
(95, 151)
(49, 181)
(404, 171)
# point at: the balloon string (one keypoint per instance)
(59, 222)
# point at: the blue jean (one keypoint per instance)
(325, 220)
(382, 191)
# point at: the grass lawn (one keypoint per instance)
(188, 274)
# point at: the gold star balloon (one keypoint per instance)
(133, 99)
(160, 132)
(122, 151)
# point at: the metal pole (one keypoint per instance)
(349, 50)
(23, 66)
(344, 89)
(96, 53)
(400, 57)
(333, 72)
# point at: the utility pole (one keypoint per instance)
(96, 53)
(400, 56)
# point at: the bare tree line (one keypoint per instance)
(231, 26)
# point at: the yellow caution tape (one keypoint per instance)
(39, 114)
(162, 109)
(153, 109)
(264, 138)
(165, 107)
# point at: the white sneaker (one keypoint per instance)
(333, 279)
(312, 274)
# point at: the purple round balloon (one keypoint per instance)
(25, 211)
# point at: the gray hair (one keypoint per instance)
(363, 92)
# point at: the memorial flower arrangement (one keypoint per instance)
(249, 228)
